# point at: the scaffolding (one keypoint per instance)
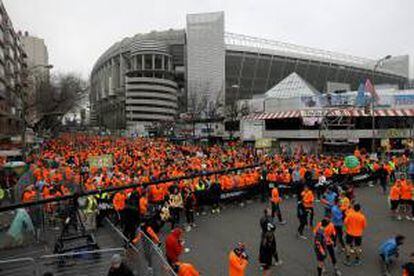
(336, 117)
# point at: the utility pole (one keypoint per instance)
(377, 64)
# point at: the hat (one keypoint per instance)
(116, 260)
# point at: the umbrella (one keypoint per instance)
(351, 162)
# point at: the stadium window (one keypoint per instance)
(148, 62)
(139, 62)
(158, 62)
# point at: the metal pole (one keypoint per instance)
(373, 146)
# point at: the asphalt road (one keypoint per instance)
(216, 235)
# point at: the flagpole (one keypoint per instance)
(373, 147)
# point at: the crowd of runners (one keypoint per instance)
(61, 167)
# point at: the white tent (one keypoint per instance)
(293, 86)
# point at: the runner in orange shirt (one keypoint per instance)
(275, 201)
(330, 237)
(395, 198)
(406, 198)
(308, 199)
(355, 224)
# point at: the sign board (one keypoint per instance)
(385, 143)
(252, 130)
(101, 161)
(263, 143)
(407, 99)
(313, 113)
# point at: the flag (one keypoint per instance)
(370, 88)
(360, 99)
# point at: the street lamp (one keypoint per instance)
(377, 64)
(237, 88)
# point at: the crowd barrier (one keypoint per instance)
(96, 262)
(149, 257)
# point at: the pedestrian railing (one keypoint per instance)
(146, 258)
(19, 266)
(95, 262)
(85, 263)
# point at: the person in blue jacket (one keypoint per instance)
(389, 251)
(337, 219)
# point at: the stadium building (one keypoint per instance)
(156, 76)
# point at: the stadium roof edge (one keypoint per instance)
(239, 42)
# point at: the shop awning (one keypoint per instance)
(355, 112)
(274, 115)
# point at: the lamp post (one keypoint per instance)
(377, 64)
(23, 102)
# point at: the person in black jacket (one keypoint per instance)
(383, 178)
(302, 217)
(189, 204)
(268, 251)
(131, 215)
(266, 221)
(118, 267)
(215, 194)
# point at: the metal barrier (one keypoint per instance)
(146, 257)
(19, 266)
(96, 262)
(84, 263)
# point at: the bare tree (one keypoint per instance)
(53, 99)
(197, 106)
(234, 113)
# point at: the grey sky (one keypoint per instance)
(78, 31)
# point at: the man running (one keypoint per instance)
(302, 217)
(319, 245)
(337, 218)
(308, 199)
(355, 224)
(329, 235)
(275, 200)
(395, 198)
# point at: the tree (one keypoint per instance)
(234, 112)
(53, 99)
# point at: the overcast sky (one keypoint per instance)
(77, 32)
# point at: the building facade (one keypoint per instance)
(215, 66)
(37, 54)
(205, 59)
(12, 67)
(37, 62)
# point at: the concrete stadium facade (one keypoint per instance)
(131, 84)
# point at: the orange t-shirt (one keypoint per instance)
(406, 191)
(395, 192)
(329, 232)
(119, 201)
(355, 224)
(187, 270)
(143, 205)
(308, 198)
(275, 195)
(237, 265)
